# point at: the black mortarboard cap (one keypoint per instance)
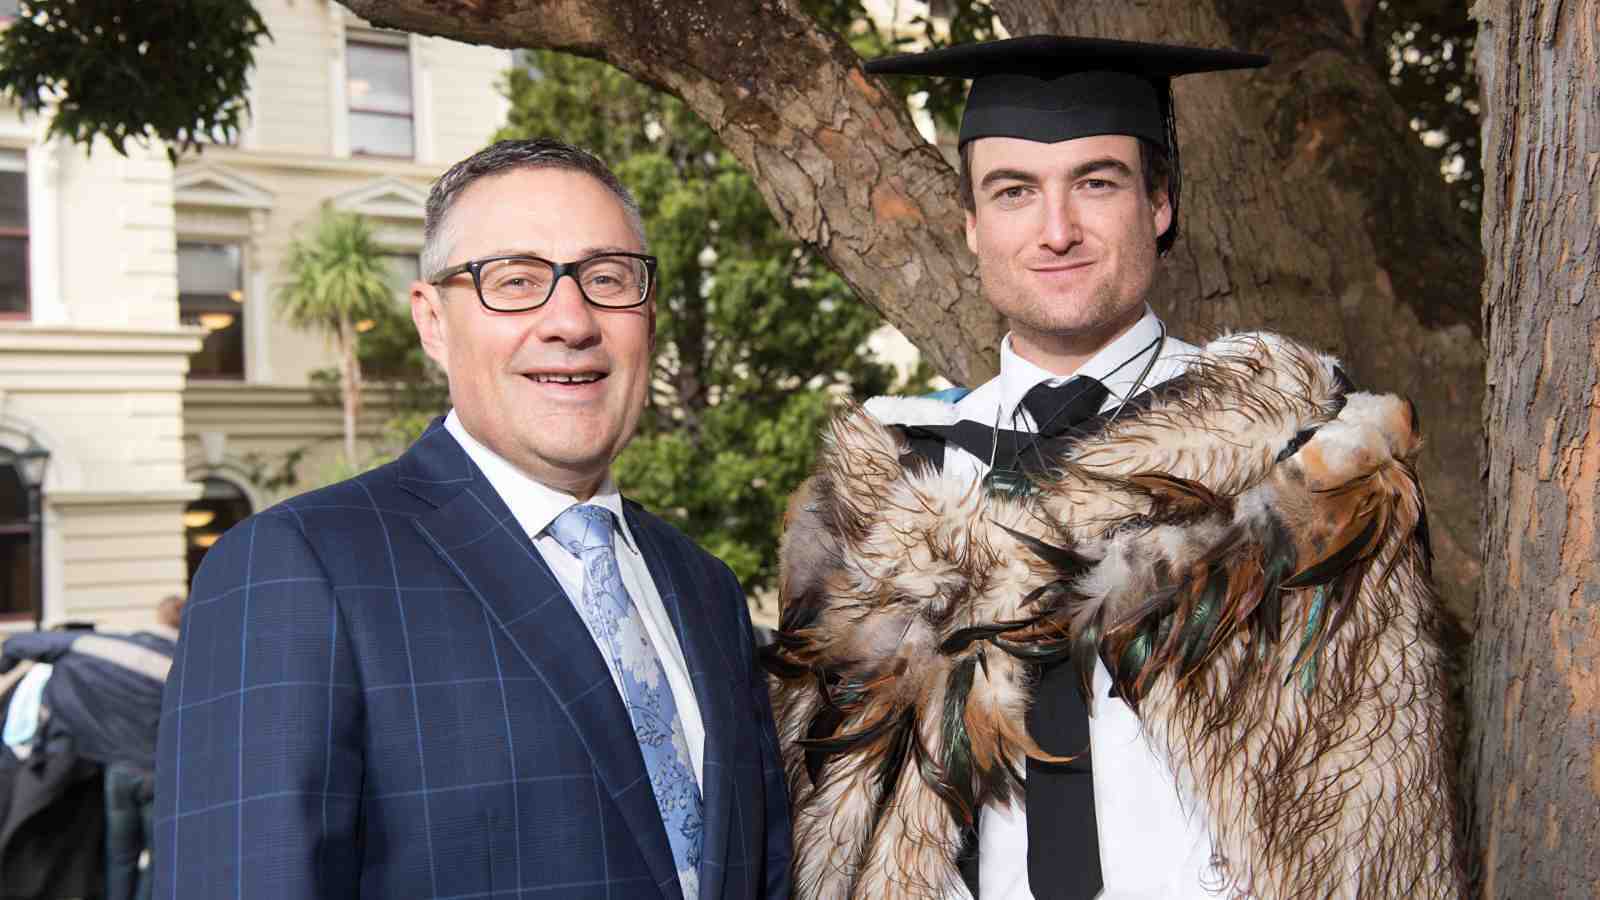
(1051, 88)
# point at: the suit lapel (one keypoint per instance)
(687, 604)
(474, 532)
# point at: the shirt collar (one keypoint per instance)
(1117, 365)
(534, 504)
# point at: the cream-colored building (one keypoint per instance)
(139, 343)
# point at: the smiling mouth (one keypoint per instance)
(582, 378)
(1065, 267)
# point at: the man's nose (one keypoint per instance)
(1062, 230)
(567, 317)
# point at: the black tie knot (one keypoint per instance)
(1056, 410)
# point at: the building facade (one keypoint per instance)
(139, 340)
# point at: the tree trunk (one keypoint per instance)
(349, 386)
(1535, 694)
(1300, 207)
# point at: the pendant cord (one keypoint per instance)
(1156, 345)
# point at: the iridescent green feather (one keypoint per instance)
(1305, 659)
(957, 743)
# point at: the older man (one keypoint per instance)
(479, 671)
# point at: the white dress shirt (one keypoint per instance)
(535, 506)
(1154, 842)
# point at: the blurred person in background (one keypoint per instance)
(89, 703)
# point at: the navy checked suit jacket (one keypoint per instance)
(382, 691)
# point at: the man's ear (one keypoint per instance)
(1161, 208)
(651, 323)
(972, 231)
(427, 313)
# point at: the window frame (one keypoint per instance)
(16, 163)
(393, 42)
(239, 309)
(16, 528)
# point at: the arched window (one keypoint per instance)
(220, 507)
(16, 542)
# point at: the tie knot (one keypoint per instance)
(1057, 409)
(583, 527)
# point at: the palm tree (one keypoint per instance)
(335, 280)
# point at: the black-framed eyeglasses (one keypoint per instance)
(520, 283)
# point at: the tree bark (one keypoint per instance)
(1300, 203)
(349, 385)
(1535, 695)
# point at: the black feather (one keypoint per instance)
(893, 763)
(1347, 595)
(1039, 652)
(1336, 562)
(957, 762)
(803, 611)
(1068, 562)
(1134, 658)
(1295, 443)
(850, 740)
(1279, 563)
(1085, 651)
(826, 721)
(772, 659)
(1202, 623)
(1422, 535)
(962, 638)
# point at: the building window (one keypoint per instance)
(13, 238)
(220, 507)
(379, 90)
(16, 546)
(211, 295)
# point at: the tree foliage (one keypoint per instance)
(1426, 47)
(958, 22)
(335, 280)
(175, 71)
(756, 340)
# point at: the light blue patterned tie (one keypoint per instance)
(585, 531)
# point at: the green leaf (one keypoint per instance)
(174, 71)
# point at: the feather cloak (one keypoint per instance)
(1248, 557)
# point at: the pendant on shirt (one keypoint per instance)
(1008, 483)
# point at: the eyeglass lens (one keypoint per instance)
(523, 282)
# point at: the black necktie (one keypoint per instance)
(1063, 841)
(1058, 409)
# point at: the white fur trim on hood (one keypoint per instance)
(891, 410)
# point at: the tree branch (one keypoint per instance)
(838, 161)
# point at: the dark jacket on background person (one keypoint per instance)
(103, 700)
(104, 690)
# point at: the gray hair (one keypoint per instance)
(497, 159)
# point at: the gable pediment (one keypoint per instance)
(386, 198)
(218, 187)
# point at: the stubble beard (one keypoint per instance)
(1075, 325)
